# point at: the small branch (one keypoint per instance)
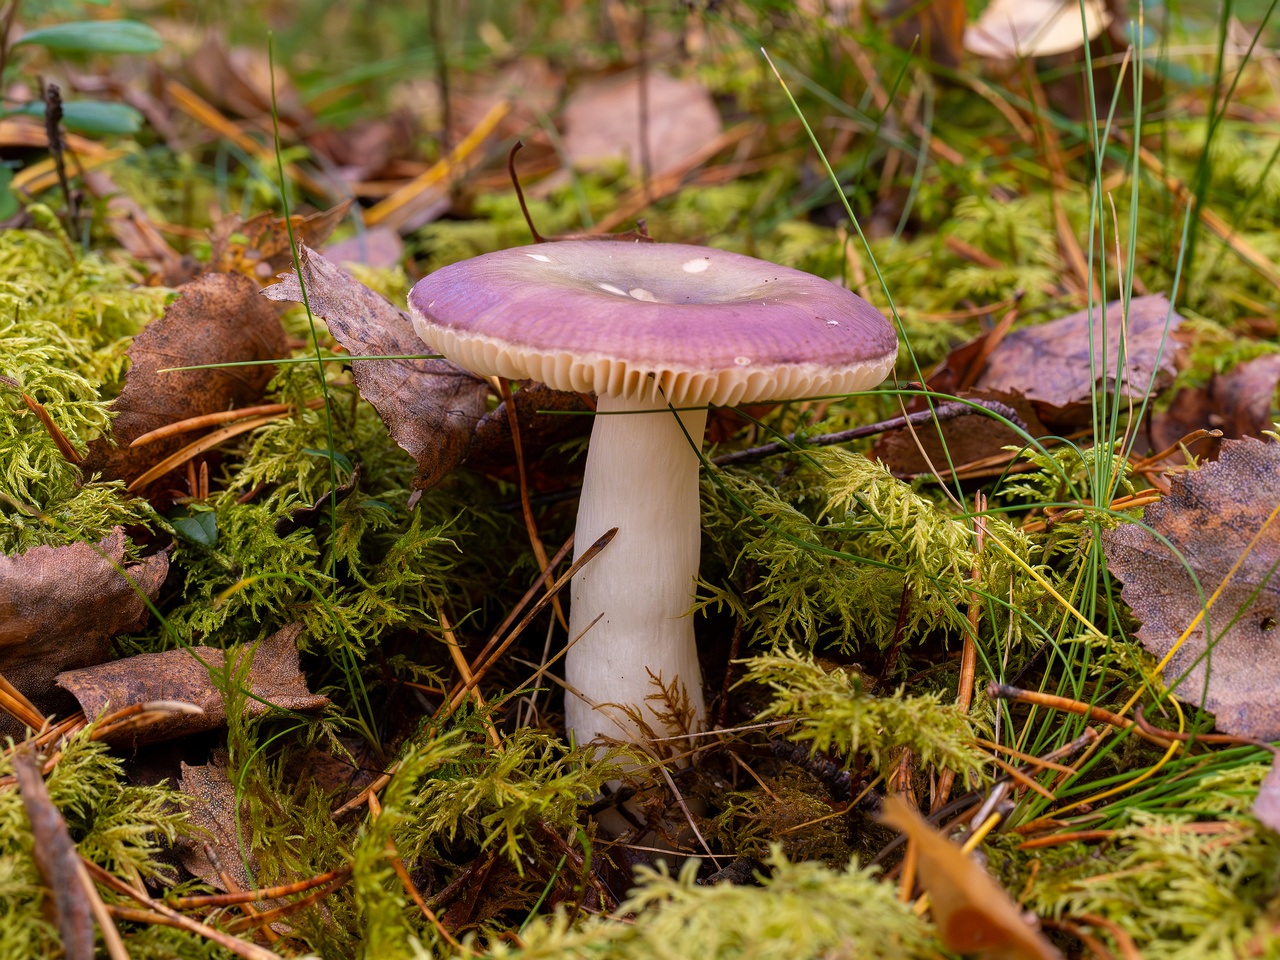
(940, 414)
(524, 207)
(1002, 691)
(53, 129)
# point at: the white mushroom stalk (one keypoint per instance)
(644, 325)
(641, 477)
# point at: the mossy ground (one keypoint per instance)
(807, 557)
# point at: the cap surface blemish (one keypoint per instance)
(696, 265)
(742, 361)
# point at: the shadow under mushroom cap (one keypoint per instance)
(709, 325)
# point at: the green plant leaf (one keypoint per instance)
(201, 528)
(8, 202)
(93, 117)
(96, 36)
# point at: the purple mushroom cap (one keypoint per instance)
(708, 325)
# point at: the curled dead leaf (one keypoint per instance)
(1212, 517)
(972, 912)
(933, 29)
(59, 609)
(430, 407)
(217, 319)
(274, 677)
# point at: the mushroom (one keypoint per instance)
(658, 331)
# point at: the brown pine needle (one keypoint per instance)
(241, 948)
(253, 896)
(213, 419)
(530, 525)
(194, 449)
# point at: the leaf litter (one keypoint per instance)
(885, 583)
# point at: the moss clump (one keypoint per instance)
(66, 319)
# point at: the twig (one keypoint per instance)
(252, 896)
(530, 525)
(471, 681)
(528, 219)
(241, 948)
(1002, 691)
(53, 129)
(460, 662)
(941, 414)
(411, 888)
(69, 453)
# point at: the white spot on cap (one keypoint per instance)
(539, 257)
(640, 293)
(742, 361)
(610, 288)
(833, 323)
(696, 265)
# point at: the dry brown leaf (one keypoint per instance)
(430, 407)
(1211, 516)
(177, 675)
(59, 609)
(57, 859)
(1049, 363)
(970, 437)
(266, 249)
(217, 319)
(972, 912)
(935, 28)
(1012, 29)
(602, 122)
(209, 797)
(1237, 402)
(492, 451)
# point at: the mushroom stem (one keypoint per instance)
(641, 477)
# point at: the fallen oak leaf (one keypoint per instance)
(972, 912)
(210, 800)
(59, 609)
(1212, 516)
(216, 319)
(430, 407)
(273, 679)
